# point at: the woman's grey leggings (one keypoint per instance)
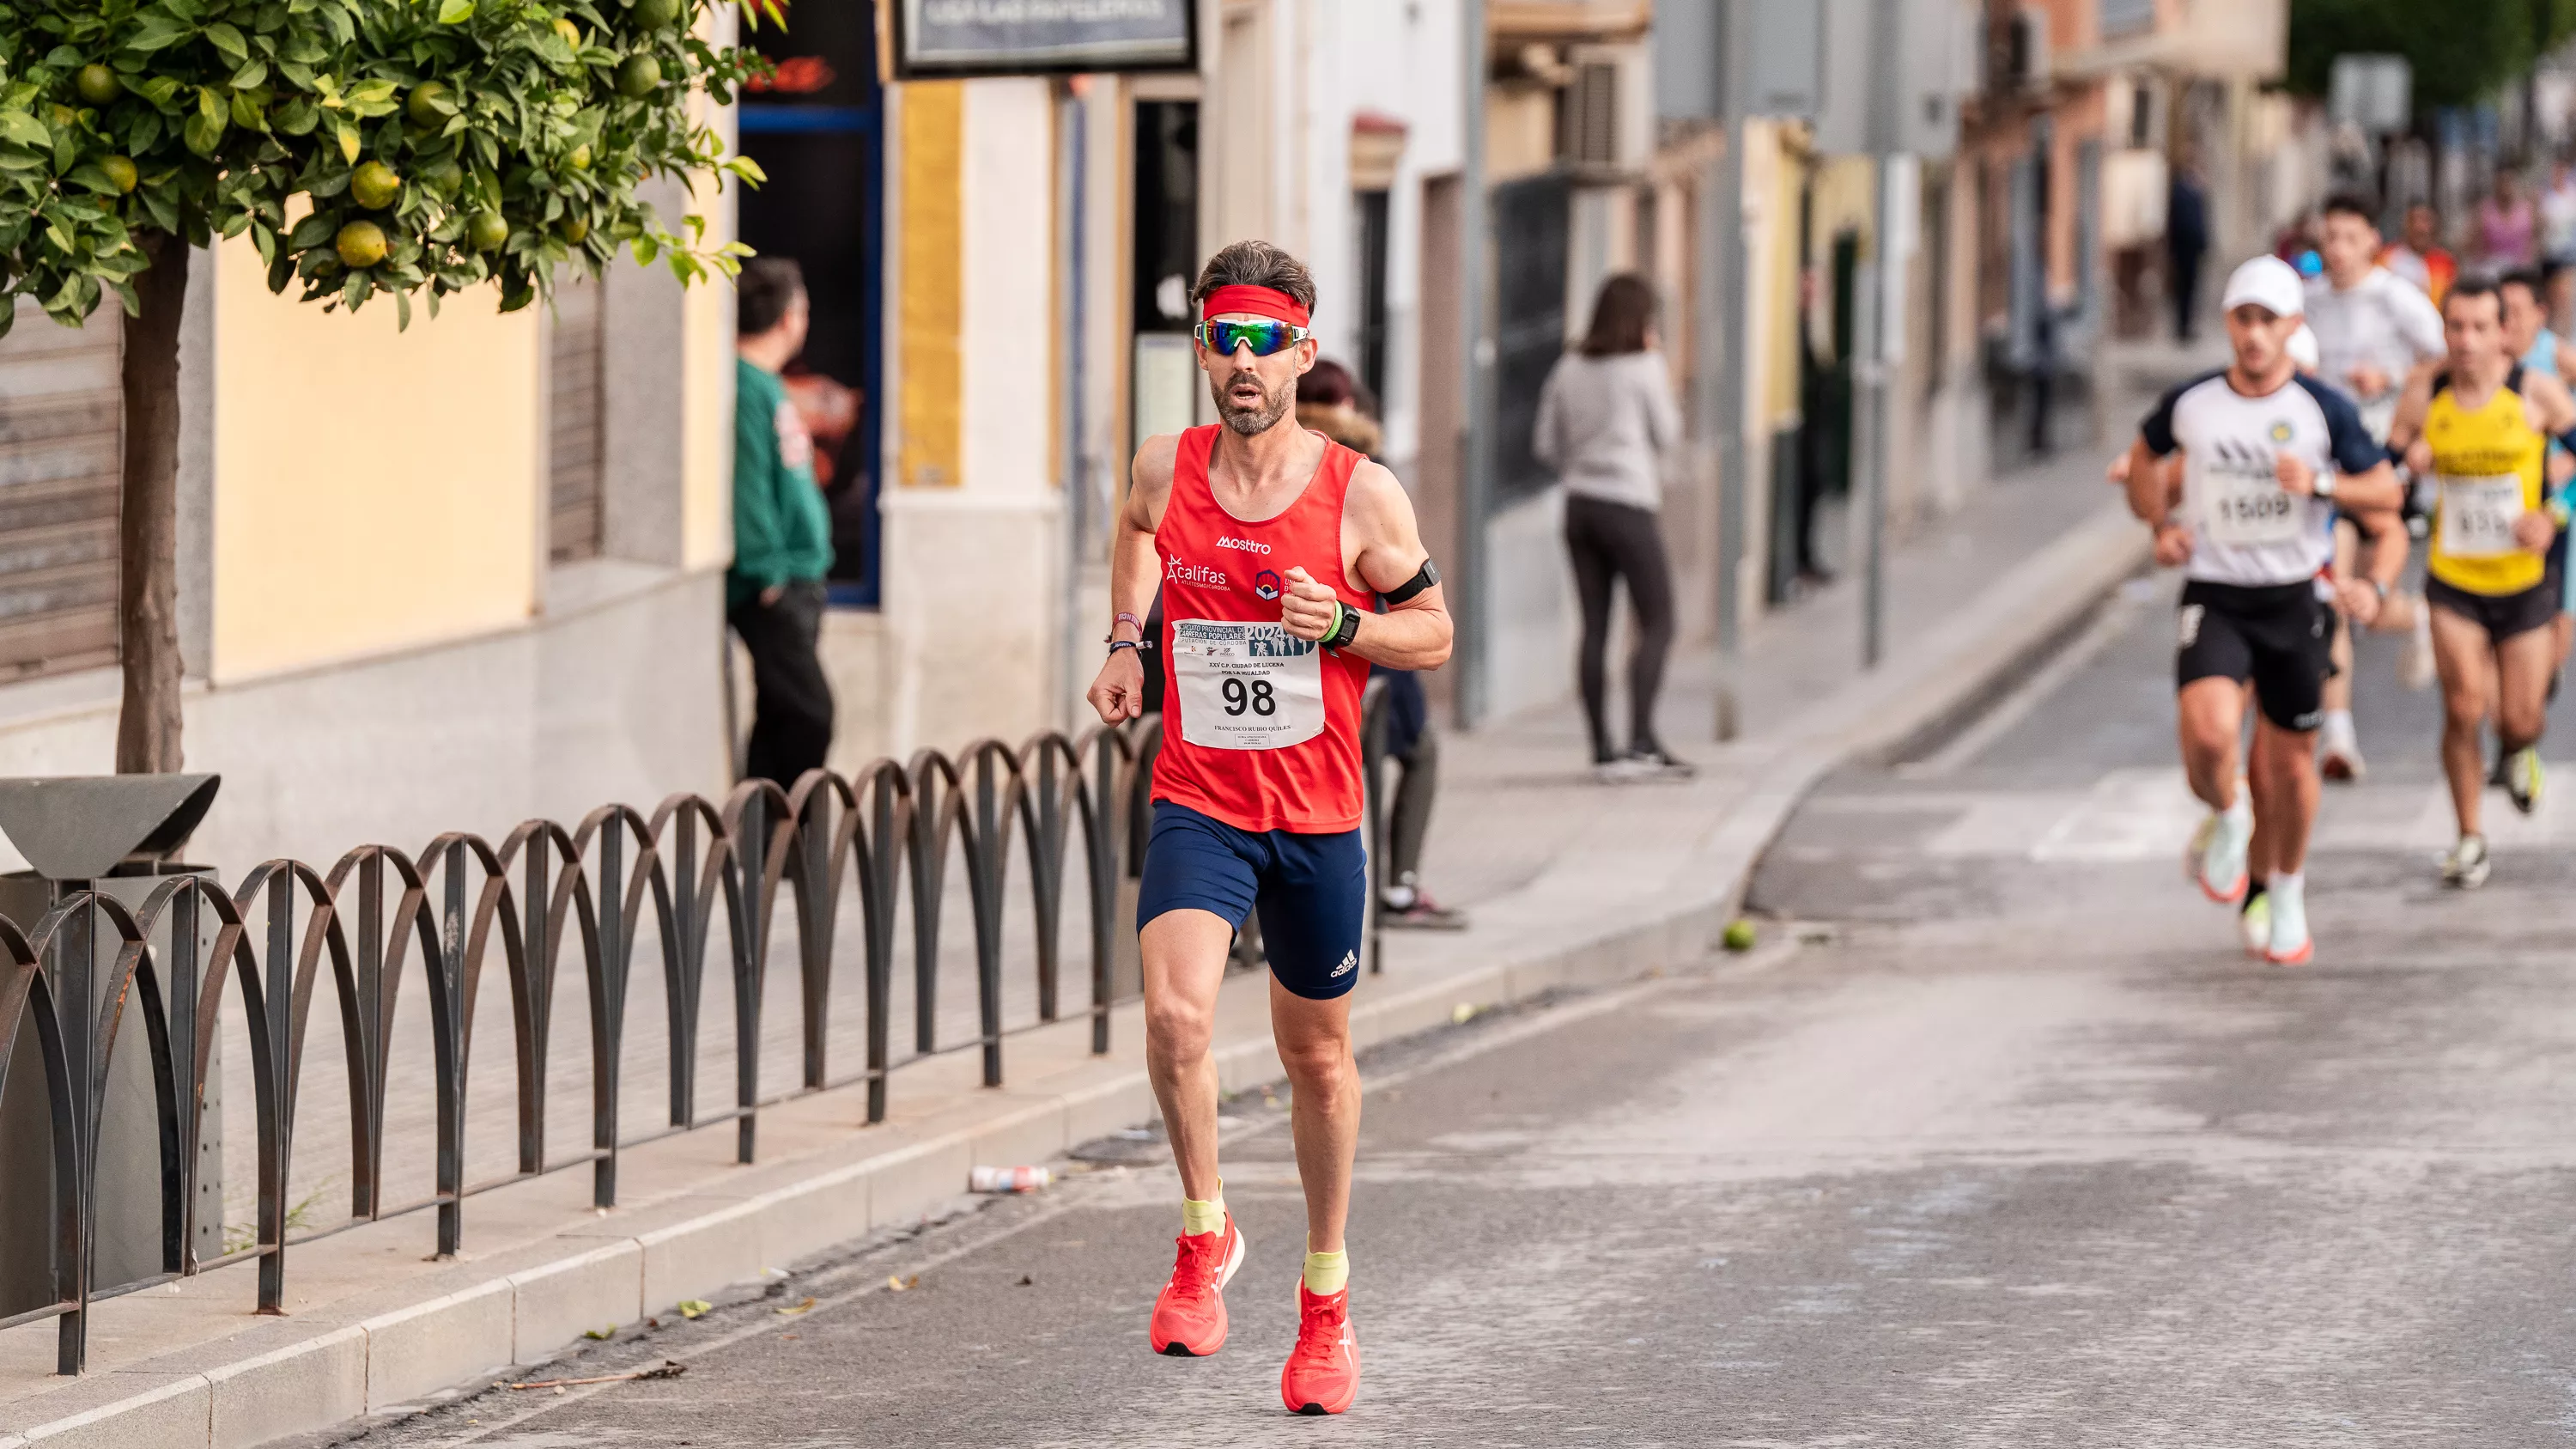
(1618, 540)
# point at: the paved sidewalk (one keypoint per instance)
(1573, 883)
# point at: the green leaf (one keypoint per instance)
(455, 12)
(203, 135)
(247, 113)
(24, 129)
(156, 30)
(313, 231)
(348, 141)
(228, 40)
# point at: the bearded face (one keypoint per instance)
(1246, 404)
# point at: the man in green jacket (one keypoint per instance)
(782, 533)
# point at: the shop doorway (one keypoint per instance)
(818, 129)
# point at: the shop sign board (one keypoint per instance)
(940, 39)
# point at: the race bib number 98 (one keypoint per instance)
(1247, 686)
(2478, 515)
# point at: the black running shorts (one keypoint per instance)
(2275, 635)
(2501, 615)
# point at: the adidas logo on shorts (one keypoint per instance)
(1350, 963)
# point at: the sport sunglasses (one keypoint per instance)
(1264, 338)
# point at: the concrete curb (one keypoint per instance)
(280, 1378)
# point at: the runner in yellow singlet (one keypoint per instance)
(2480, 427)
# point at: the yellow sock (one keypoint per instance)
(1328, 1273)
(1204, 1217)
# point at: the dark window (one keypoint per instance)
(574, 418)
(1167, 214)
(1372, 217)
(61, 416)
(1531, 229)
(817, 130)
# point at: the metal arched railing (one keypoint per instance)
(701, 880)
(380, 922)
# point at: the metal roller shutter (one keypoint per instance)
(61, 417)
(573, 370)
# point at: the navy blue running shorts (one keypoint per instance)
(1311, 890)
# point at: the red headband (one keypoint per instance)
(1259, 301)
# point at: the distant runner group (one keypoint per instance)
(2355, 415)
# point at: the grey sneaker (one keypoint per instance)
(2466, 866)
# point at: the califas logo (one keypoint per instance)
(1179, 571)
(1245, 544)
(1265, 585)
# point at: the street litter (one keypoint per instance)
(805, 1307)
(1008, 1179)
(901, 1285)
(693, 1307)
(667, 1369)
(601, 1334)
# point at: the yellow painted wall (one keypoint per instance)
(931, 312)
(374, 489)
(1785, 145)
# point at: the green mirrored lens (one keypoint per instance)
(1264, 338)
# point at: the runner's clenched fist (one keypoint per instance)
(1307, 606)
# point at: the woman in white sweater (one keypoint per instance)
(1604, 420)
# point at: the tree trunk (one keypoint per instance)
(147, 728)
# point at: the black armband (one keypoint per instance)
(1423, 578)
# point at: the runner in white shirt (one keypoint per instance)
(2374, 330)
(2268, 456)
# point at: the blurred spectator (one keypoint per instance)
(2558, 215)
(782, 534)
(2186, 245)
(1331, 402)
(1605, 419)
(2507, 226)
(830, 409)
(2419, 256)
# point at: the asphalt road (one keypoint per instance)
(1998, 1140)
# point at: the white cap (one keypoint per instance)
(2269, 283)
(2303, 349)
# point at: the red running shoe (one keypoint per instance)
(1189, 1319)
(1323, 1372)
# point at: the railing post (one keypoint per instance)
(76, 1008)
(451, 1061)
(1101, 837)
(751, 968)
(180, 974)
(884, 860)
(277, 1095)
(610, 1035)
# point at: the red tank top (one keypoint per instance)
(1261, 729)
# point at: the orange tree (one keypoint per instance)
(415, 148)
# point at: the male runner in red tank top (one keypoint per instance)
(1270, 545)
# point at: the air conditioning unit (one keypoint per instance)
(2026, 51)
(1608, 109)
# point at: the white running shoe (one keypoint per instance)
(2415, 658)
(2467, 864)
(2255, 923)
(2522, 778)
(2221, 871)
(2339, 748)
(2290, 943)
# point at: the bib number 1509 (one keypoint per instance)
(1255, 695)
